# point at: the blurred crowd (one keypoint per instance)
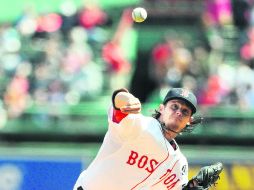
(220, 73)
(60, 58)
(52, 57)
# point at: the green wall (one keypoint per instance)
(11, 9)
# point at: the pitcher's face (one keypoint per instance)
(176, 114)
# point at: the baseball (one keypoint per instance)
(139, 14)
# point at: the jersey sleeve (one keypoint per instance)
(118, 116)
(124, 126)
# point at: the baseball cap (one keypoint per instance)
(183, 94)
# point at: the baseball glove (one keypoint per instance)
(196, 120)
(206, 177)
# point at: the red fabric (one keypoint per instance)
(113, 55)
(89, 18)
(214, 91)
(161, 53)
(49, 23)
(118, 116)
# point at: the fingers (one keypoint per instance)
(133, 108)
(127, 103)
(122, 99)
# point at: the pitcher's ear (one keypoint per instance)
(161, 108)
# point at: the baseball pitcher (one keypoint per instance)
(140, 153)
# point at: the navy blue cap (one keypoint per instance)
(183, 94)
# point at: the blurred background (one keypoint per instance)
(60, 61)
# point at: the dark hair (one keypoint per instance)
(156, 114)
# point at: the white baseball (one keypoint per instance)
(139, 14)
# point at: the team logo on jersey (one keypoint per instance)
(185, 93)
(184, 169)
